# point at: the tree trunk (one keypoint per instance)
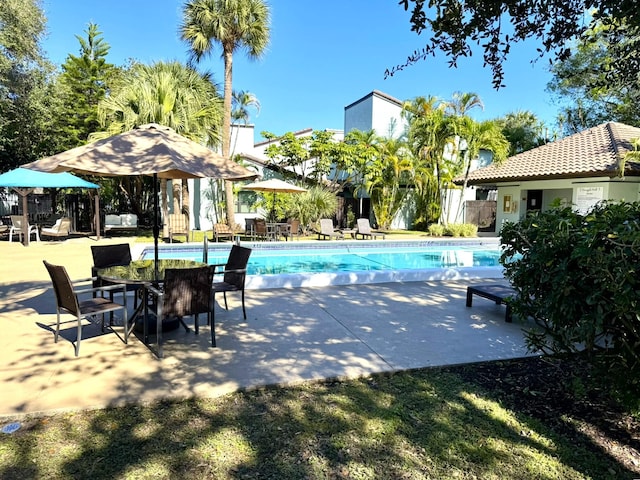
(226, 129)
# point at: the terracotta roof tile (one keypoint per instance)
(590, 153)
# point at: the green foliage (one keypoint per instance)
(84, 82)
(495, 25)
(27, 100)
(578, 277)
(311, 206)
(436, 230)
(453, 230)
(583, 86)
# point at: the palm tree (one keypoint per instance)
(432, 134)
(478, 136)
(461, 103)
(233, 24)
(169, 94)
(241, 102)
(387, 178)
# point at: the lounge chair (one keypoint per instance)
(364, 229)
(178, 226)
(16, 227)
(222, 231)
(327, 230)
(60, 229)
(185, 292)
(67, 301)
(234, 274)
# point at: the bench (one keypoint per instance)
(498, 293)
(122, 222)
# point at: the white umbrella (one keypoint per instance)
(274, 185)
(150, 149)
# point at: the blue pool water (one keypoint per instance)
(298, 264)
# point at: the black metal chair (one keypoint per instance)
(67, 301)
(185, 292)
(234, 274)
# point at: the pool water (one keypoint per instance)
(289, 265)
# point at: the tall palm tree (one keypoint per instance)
(169, 94)
(233, 24)
(461, 103)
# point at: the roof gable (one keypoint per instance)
(593, 152)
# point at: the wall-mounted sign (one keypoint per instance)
(588, 197)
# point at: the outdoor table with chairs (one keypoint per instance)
(142, 273)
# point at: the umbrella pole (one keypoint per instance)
(156, 227)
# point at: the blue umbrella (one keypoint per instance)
(23, 180)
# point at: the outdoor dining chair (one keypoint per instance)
(185, 292)
(105, 256)
(16, 227)
(68, 301)
(234, 273)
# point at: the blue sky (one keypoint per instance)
(322, 57)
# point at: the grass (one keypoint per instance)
(420, 424)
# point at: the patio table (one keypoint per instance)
(142, 272)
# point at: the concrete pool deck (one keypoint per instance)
(290, 335)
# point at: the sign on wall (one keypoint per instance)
(588, 197)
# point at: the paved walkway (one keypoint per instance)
(290, 335)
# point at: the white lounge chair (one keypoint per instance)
(61, 228)
(364, 229)
(327, 230)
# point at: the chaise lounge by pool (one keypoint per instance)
(314, 264)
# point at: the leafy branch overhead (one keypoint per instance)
(456, 25)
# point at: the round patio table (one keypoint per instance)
(142, 272)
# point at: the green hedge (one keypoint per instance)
(578, 277)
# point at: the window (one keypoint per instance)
(245, 202)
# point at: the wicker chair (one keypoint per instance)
(185, 292)
(234, 274)
(67, 301)
(111, 256)
(178, 226)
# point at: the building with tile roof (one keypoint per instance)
(578, 170)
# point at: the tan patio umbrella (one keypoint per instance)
(150, 149)
(274, 185)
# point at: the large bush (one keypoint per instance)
(577, 276)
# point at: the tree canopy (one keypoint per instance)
(455, 26)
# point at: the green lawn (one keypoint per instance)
(422, 424)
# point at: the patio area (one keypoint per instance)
(290, 335)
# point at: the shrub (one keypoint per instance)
(578, 277)
(436, 230)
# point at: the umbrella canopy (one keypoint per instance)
(23, 181)
(274, 185)
(25, 178)
(150, 149)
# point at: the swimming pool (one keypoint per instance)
(296, 264)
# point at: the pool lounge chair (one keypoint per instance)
(178, 226)
(328, 231)
(364, 229)
(222, 231)
(60, 229)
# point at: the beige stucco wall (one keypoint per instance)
(569, 190)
